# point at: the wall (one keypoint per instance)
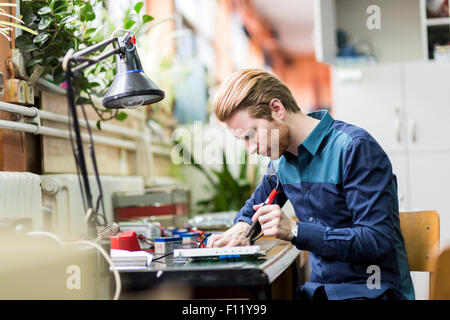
(12, 144)
(309, 82)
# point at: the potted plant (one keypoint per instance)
(227, 191)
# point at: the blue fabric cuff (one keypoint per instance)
(245, 219)
(309, 237)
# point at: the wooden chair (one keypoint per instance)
(441, 286)
(420, 230)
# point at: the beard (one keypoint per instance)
(279, 141)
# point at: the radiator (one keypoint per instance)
(20, 195)
(61, 198)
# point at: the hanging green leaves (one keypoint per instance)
(60, 25)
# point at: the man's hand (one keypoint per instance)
(235, 236)
(273, 221)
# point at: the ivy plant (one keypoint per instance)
(65, 24)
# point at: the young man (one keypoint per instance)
(339, 181)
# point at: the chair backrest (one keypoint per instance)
(420, 230)
(441, 286)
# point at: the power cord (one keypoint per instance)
(163, 256)
(95, 245)
(204, 239)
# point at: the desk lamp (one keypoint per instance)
(131, 88)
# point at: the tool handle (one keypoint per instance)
(269, 200)
(271, 197)
(252, 229)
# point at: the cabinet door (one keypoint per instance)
(399, 163)
(430, 178)
(371, 98)
(427, 101)
(325, 30)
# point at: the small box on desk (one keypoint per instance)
(169, 206)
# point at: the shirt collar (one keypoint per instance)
(315, 138)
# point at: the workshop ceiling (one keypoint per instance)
(292, 20)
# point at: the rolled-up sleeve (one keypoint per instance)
(371, 199)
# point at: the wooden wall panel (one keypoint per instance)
(12, 147)
(12, 143)
(5, 47)
(57, 152)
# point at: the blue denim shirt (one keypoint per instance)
(344, 194)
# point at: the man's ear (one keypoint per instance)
(278, 110)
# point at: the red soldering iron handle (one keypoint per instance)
(271, 197)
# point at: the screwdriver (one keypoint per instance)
(269, 200)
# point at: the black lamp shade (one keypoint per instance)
(131, 88)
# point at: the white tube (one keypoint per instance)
(18, 126)
(124, 144)
(60, 91)
(26, 111)
(91, 243)
(110, 262)
(32, 112)
(107, 128)
(47, 131)
(47, 234)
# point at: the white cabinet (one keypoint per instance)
(430, 179)
(375, 31)
(427, 98)
(406, 107)
(374, 101)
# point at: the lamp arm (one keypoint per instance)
(73, 62)
(79, 56)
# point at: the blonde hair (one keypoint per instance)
(252, 89)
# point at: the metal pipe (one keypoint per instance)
(26, 111)
(18, 126)
(58, 133)
(33, 112)
(50, 116)
(107, 128)
(124, 144)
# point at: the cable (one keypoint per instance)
(146, 240)
(163, 232)
(98, 247)
(278, 181)
(77, 166)
(260, 235)
(204, 239)
(48, 234)
(168, 254)
(110, 262)
(94, 164)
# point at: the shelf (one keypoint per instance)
(438, 21)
